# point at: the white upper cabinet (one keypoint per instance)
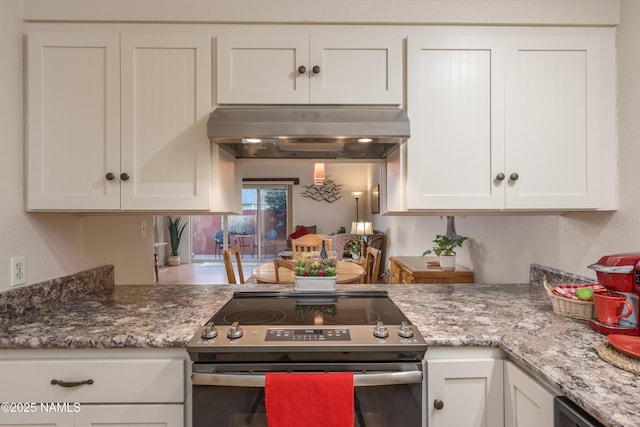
(515, 119)
(165, 106)
(293, 67)
(118, 122)
(73, 121)
(455, 104)
(553, 110)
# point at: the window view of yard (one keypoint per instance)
(260, 232)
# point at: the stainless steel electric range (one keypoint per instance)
(259, 332)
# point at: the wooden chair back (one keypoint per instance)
(372, 264)
(308, 243)
(228, 265)
(279, 262)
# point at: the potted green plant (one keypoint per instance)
(175, 234)
(444, 249)
(353, 247)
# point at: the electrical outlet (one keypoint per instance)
(18, 271)
(143, 228)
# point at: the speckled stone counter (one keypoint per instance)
(517, 318)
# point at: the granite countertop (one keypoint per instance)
(517, 318)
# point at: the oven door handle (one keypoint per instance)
(257, 380)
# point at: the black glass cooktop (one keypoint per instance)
(340, 308)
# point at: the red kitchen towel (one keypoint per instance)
(309, 399)
(569, 291)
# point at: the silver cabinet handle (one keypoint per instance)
(302, 69)
(500, 176)
(514, 177)
(256, 380)
(67, 384)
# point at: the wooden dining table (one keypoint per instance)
(346, 272)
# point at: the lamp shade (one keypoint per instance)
(318, 174)
(362, 228)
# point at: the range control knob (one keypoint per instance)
(235, 331)
(405, 330)
(209, 332)
(380, 331)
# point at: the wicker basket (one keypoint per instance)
(566, 307)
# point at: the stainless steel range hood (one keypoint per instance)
(309, 132)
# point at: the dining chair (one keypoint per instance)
(308, 243)
(218, 239)
(279, 262)
(228, 265)
(372, 264)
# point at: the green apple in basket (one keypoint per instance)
(585, 294)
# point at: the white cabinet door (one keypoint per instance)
(130, 416)
(455, 104)
(527, 403)
(35, 418)
(512, 119)
(356, 69)
(263, 69)
(294, 67)
(464, 392)
(165, 105)
(73, 121)
(552, 114)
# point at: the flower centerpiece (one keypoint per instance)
(312, 274)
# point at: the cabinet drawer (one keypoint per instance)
(113, 381)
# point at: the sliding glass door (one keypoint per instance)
(260, 231)
(267, 205)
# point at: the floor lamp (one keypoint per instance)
(360, 228)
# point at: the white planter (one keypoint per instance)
(173, 260)
(315, 283)
(448, 262)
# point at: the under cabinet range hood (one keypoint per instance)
(309, 132)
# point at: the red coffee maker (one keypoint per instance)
(620, 273)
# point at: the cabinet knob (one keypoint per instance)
(124, 176)
(302, 69)
(500, 176)
(438, 404)
(110, 176)
(316, 69)
(514, 177)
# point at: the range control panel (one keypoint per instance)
(283, 334)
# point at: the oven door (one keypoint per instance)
(384, 395)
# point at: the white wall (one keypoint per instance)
(503, 246)
(327, 216)
(51, 243)
(585, 237)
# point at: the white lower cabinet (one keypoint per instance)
(94, 387)
(130, 415)
(35, 419)
(464, 387)
(527, 402)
